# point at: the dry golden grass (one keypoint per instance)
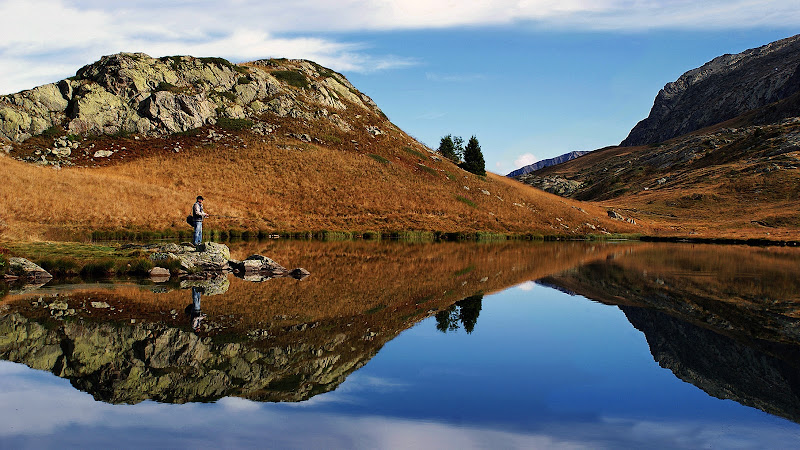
(281, 184)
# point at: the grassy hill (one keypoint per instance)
(308, 155)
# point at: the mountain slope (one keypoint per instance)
(721, 89)
(273, 145)
(738, 178)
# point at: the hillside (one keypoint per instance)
(739, 178)
(273, 145)
(723, 88)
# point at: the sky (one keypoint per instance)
(530, 79)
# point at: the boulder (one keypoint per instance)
(257, 263)
(299, 273)
(208, 257)
(23, 268)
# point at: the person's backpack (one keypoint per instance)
(190, 219)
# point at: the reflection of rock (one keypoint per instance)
(721, 366)
(132, 363)
(213, 286)
(258, 263)
(19, 289)
(711, 325)
(21, 267)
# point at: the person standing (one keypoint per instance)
(199, 215)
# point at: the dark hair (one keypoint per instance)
(200, 197)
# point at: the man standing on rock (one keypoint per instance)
(199, 215)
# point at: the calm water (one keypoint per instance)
(575, 345)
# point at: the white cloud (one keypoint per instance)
(45, 40)
(525, 160)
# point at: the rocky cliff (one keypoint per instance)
(135, 93)
(721, 89)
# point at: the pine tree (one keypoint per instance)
(447, 148)
(473, 158)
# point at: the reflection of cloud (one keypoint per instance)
(47, 410)
(526, 286)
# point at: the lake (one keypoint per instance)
(395, 345)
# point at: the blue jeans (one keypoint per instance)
(198, 232)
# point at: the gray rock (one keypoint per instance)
(159, 272)
(24, 268)
(721, 89)
(102, 154)
(213, 286)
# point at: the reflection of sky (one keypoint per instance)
(541, 369)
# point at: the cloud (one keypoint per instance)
(525, 160)
(46, 40)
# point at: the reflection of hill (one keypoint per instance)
(722, 366)
(722, 318)
(281, 340)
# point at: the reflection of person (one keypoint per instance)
(199, 215)
(193, 310)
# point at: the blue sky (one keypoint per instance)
(531, 79)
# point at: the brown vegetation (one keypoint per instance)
(280, 184)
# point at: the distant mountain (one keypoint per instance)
(695, 174)
(721, 89)
(546, 163)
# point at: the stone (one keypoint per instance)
(24, 268)
(213, 286)
(615, 215)
(100, 305)
(159, 272)
(102, 154)
(62, 152)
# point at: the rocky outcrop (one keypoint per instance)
(722, 89)
(135, 93)
(23, 268)
(546, 163)
(208, 257)
(554, 185)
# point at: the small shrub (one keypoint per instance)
(168, 87)
(98, 269)
(140, 266)
(243, 80)
(226, 123)
(53, 132)
(73, 137)
(3, 264)
(292, 78)
(60, 267)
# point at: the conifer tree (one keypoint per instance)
(447, 148)
(473, 158)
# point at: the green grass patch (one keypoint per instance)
(466, 201)
(411, 151)
(464, 271)
(227, 95)
(292, 78)
(379, 158)
(98, 269)
(226, 123)
(375, 309)
(224, 63)
(53, 132)
(428, 169)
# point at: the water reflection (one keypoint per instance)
(465, 312)
(281, 340)
(193, 309)
(726, 319)
(723, 318)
